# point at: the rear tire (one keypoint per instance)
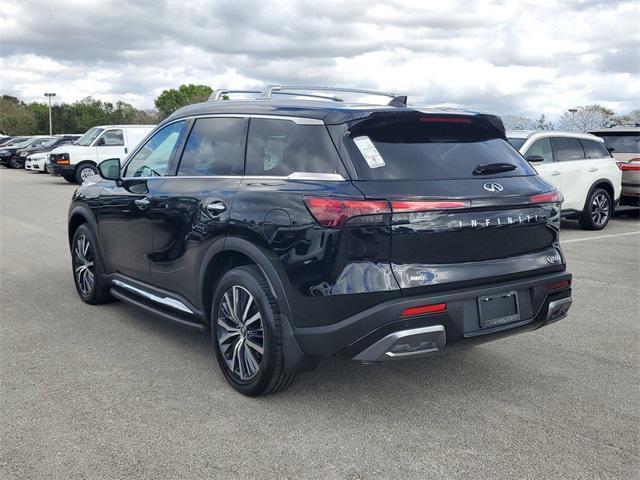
(597, 211)
(14, 162)
(88, 271)
(247, 334)
(84, 171)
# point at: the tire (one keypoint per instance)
(237, 342)
(87, 269)
(14, 162)
(597, 211)
(69, 179)
(84, 171)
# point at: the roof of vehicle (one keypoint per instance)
(124, 126)
(330, 112)
(618, 128)
(550, 133)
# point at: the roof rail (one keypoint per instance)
(297, 90)
(218, 94)
(396, 100)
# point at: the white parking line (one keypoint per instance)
(562, 242)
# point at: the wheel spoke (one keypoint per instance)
(252, 319)
(227, 336)
(246, 310)
(227, 327)
(255, 346)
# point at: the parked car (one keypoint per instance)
(79, 161)
(4, 139)
(624, 144)
(578, 165)
(10, 153)
(36, 156)
(301, 229)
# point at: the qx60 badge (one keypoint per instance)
(493, 187)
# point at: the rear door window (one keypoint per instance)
(215, 147)
(541, 147)
(426, 148)
(567, 149)
(594, 149)
(282, 147)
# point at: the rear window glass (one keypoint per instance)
(422, 148)
(517, 142)
(622, 142)
(282, 147)
(594, 149)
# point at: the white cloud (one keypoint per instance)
(513, 57)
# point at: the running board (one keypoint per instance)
(170, 317)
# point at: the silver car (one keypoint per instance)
(624, 144)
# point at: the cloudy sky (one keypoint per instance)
(516, 58)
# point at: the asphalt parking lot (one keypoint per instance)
(110, 392)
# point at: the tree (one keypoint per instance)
(15, 117)
(587, 118)
(514, 122)
(631, 118)
(543, 124)
(170, 100)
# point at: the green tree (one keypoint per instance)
(15, 117)
(170, 100)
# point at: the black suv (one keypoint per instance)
(299, 229)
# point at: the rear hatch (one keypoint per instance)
(465, 206)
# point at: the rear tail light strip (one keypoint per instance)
(633, 165)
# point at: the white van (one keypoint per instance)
(78, 161)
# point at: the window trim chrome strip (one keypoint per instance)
(299, 176)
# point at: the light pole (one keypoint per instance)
(573, 117)
(49, 95)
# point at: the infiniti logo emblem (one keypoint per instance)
(493, 187)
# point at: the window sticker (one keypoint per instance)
(369, 152)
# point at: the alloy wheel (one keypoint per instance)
(600, 209)
(240, 332)
(86, 173)
(83, 265)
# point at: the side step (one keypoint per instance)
(170, 317)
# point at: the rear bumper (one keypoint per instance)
(380, 333)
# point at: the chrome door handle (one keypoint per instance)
(593, 169)
(142, 203)
(216, 208)
(554, 173)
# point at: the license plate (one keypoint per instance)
(498, 309)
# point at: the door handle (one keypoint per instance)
(142, 203)
(593, 169)
(216, 208)
(555, 172)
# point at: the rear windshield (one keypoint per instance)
(432, 148)
(622, 142)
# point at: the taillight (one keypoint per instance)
(426, 205)
(424, 309)
(334, 212)
(634, 165)
(549, 197)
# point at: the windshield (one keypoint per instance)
(622, 142)
(89, 136)
(432, 148)
(50, 143)
(22, 143)
(517, 142)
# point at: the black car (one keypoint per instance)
(10, 154)
(299, 229)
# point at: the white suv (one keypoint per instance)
(580, 166)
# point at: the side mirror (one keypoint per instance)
(101, 142)
(110, 169)
(611, 150)
(534, 158)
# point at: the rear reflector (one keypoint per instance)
(439, 119)
(549, 197)
(334, 212)
(424, 309)
(558, 285)
(425, 205)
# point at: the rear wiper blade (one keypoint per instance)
(488, 168)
